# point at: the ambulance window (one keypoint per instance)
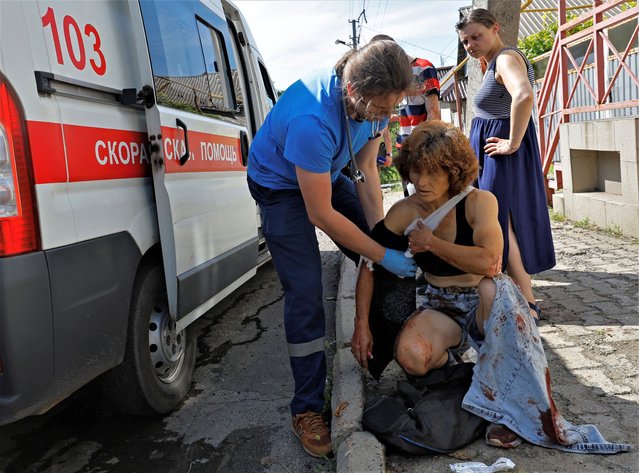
(190, 69)
(218, 83)
(267, 84)
(236, 78)
(241, 83)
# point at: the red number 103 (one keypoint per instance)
(71, 28)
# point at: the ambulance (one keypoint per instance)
(124, 209)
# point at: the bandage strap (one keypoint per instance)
(435, 218)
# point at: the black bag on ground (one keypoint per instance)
(426, 417)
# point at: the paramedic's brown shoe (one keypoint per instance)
(313, 433)
(501, 436)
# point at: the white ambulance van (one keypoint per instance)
(124, 208)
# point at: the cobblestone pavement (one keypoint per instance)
(591, 340)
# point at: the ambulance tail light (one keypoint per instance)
(18, 223)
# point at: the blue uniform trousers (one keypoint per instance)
(291, 240)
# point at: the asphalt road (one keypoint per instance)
(235, 419)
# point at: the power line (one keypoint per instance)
(448, 44)
(453, 51)
(356, 26)
(379, 4)
(412, 44)
(359, 22)
(384, 15)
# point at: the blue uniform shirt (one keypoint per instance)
(306, 129)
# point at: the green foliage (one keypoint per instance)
(556, 216)
(393, 128)
(541, 42)
(614, 230)
(583, 223)
(389, 175)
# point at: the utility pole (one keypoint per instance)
(355, 36)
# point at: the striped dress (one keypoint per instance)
(515, 179)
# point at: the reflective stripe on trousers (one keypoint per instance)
(298, 350)
(292, 242)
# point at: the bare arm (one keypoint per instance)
(388, 145)
(362, 341)
(397, 218)
(432, 107)
(511, 71)
(484, 257)
(316, 191)
(370, 192)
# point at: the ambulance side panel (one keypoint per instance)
(72, 69)
(107, 186)
(206, 213)
(64, 309)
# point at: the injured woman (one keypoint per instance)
(453, 233)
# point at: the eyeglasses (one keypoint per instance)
(371, 111)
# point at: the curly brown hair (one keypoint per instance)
(436, 144)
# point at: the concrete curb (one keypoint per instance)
(357, 451)
(360, 452)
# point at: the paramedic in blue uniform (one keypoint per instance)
(322, 123)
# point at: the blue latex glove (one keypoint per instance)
(396, 262)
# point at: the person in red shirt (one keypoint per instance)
(414, 109)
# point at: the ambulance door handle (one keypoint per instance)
(184, 158)
(245, 147)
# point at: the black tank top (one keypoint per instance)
(433, 264)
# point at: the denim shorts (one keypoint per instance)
(460, 304)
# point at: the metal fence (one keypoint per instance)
(603, 85)
(624, 89)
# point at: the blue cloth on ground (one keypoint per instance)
(511, 380)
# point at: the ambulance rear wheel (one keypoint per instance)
(156, 373)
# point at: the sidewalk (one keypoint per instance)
(591, 339)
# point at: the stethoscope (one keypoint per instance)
(356, 173)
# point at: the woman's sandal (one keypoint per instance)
(537, 309)
(498, 435)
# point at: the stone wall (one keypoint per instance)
(601, 173)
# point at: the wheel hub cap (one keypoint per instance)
(166, 346)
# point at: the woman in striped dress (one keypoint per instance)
(503, 137)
